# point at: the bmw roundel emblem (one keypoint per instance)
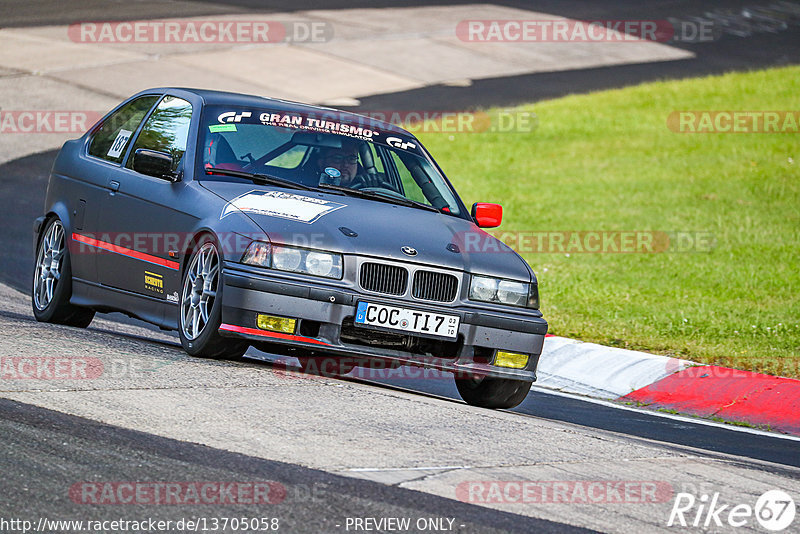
(408, 251)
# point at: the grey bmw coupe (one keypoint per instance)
(300, 230)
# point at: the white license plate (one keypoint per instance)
(409, 321)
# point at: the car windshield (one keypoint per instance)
(322, 151)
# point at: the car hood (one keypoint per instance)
(329, 221)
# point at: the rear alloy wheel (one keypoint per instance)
(489, 392)
(52, 281)
(200, 307)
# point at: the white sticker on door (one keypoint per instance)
(119, 143)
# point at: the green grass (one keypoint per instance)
(607, 162)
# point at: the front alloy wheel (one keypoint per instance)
(199, 291)
(200, 308)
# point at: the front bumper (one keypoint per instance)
(325, 325)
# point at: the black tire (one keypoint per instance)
(204, 341)
(51, 305)
(489, 392)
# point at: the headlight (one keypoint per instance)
(500, 291)
(286, 258)
(483, 288)
(319, 263)
(292, 259)
(514, 293)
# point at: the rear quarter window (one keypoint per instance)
(111, 139)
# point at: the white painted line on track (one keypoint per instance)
(431, 468)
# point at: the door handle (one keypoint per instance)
(113, 185)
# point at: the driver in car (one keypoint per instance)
(339, 166)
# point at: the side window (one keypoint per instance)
(167, 130)
(111, 139)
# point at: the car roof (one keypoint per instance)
(223, 98)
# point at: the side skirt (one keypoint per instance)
(106, 299)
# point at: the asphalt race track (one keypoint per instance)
(60, 449)
(43, 451)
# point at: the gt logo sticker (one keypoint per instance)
(119, 143)
(283, 205)
(399, 143)
(232, 116)
(154, 282)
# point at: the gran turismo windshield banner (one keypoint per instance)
(333, 122)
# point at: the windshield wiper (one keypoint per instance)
(261, 178)
(375, 195)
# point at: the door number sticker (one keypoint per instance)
(119, 143)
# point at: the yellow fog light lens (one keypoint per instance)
(276, 324)
(511, 359)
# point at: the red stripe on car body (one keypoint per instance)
(111, 247)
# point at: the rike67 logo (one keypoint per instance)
(773, 511)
